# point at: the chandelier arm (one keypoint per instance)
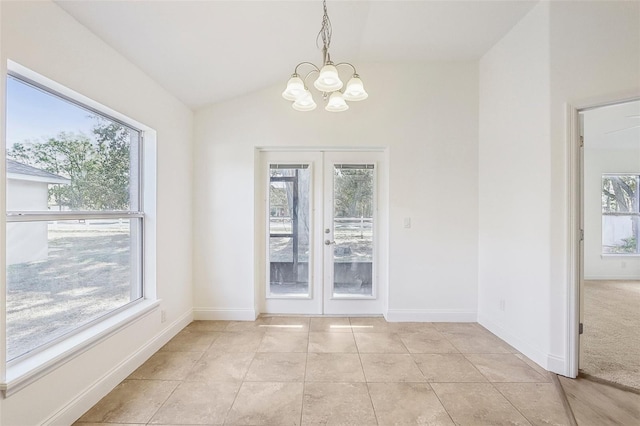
(304, 80)
(351, 65)
(315, 68)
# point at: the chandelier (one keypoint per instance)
(328, 81)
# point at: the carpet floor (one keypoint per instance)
(611, 341)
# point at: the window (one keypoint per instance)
(620, 213)
(74, 216)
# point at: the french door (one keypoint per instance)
(321, 232)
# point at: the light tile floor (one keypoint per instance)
(323, 371)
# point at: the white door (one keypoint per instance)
(321, 232)
(351, 233)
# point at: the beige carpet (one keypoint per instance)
(611, 339)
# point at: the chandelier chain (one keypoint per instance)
(325, 34)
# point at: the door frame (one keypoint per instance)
(575, 217)
(382, 243)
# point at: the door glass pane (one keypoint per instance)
(353, 229)
(289, 230)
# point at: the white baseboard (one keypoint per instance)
(609, 277)
(557, 365)
(91, 395)
(547, 361)
(430, 315)
(212, 314)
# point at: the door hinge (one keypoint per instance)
(582, 235)
(581, 141)
(580, 328)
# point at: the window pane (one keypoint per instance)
(353, 230)
(63, 157)
(619, 234)
(289, 230)
(62, 275)
(620, 214)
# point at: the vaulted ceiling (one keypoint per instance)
(208, 51)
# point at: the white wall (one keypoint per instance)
(514, 169)
(42, 37)
(561, 52)
(596, 163)
(30, 240)
(595, 55)
(425, 114)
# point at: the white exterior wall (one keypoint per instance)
(45, 39)
(561, 52)
(424, 113)
(28, 241)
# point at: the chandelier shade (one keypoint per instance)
(328, 82)
(304, 102)
(355, 90)
(336, 103)
(295, 88)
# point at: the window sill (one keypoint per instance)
(607, 255)
(28, 370)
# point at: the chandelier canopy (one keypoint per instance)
(327, 82)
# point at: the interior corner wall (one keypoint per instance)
(595, 57)
(514, 180)
(562, 52)
(424, 114)
(44, 38)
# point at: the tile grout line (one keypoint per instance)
(441, 403)
(304, 379)
(373, 407)
(511, 403)
(563, 397)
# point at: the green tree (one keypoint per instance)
(619, 193)
(113, 163)
(354, 192)
(99, 171)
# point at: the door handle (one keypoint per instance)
(328, 242)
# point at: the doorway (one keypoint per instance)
(610, 249)
(321, 232)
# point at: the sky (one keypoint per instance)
(36, 115)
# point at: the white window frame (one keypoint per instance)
(28, 368)
(630, 214)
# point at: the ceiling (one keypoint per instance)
(615, 127)
(208, 51)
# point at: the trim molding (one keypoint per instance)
(86, 399)
(40, 364)
(547, 361)
(558, 365)
(430, 315)
(212, 314)
(610, 277)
